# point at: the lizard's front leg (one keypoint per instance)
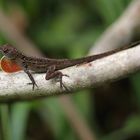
(51, 73)
(30, 76)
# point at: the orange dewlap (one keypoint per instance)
(9, 66)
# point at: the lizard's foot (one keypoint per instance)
(58, 76)
(62, 85)
(31, 77)
(33, 85)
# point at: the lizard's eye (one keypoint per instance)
(5, 50)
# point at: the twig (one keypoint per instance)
(12, 33)
(120, 32)
(76, 120)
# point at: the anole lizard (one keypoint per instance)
(47, 65)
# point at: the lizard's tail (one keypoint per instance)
(71, 62)
(102, 55)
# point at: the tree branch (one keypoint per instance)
(121, 32)
(14, 86)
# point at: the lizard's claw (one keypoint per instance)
(57, 75)
(65, 75)
(60, 76)
(34, 85)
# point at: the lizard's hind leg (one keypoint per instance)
(51, 73)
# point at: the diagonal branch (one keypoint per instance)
(116, 66)
(122, 31)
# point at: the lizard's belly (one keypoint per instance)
(33, 67)
(38, 69)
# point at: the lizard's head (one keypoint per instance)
(9, 51)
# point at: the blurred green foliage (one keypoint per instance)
(62, 29)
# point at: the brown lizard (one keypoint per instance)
(50, 66)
